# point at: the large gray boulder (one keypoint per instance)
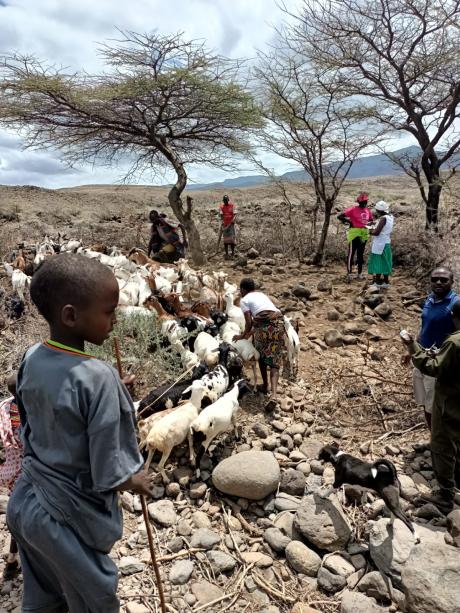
(249, 474)
(431, 579)
(390, 546)
(322, 522)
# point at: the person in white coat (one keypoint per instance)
(380, 263)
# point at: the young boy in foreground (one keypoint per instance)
(80, 446)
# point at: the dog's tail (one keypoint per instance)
(390, 495)
(387, 472)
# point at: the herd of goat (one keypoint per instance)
(198, 316)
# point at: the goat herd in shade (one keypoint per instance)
(198, 316)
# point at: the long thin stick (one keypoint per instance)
(116, 346)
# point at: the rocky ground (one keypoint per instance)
(259, 531)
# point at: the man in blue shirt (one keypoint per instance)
(437, 325)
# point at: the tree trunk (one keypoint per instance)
(319, 253)
(432, 206)
(431, 170)
(185, 217)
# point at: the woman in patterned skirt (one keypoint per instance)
(265, 322)
(380, 263)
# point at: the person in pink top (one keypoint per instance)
(357, 217)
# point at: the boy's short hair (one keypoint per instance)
(248, 285)
(66, 278)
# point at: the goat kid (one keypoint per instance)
(213, 420)
(293, 346)
(381, 476)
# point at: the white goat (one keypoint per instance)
(293, 346)
(215, 419)
(206, 348)
(173, 429)
(245, 349)
(188, 358)
(135, 311)
(19, 280)
(234, 313)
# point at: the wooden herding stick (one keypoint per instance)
(116, 346)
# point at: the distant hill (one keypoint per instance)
(370, 166)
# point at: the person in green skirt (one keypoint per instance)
(380, 263)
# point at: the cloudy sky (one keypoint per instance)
(67, 32)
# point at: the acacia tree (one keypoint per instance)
(401, 57)
(162, 102)
(311, 121)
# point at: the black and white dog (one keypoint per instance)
(380, 476)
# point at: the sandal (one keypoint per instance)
(11, 570)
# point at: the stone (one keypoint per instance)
(129, 565)
(383, 310)
(292, 482)
(304, 468)
(329, 582)
(317, 467)
(285, 502)
(175, 544)
(375, 585)
(172, 489)
(349, 339)
(322, 522)
(220, 561)
(136, 607)
(163, 512)
(200, 520)
(338, 565)
(197, 490)
(390, 546)
(373, 300)
(333, 315)
(204, 538)
(205, 592)
(181, 571)
(301, 607)
(431, 579)
(127, 502)
(453, 526)
(259, 559)
(276, 539)
(354, 327)
(261, 430)
(300, 291)
(250, 474)
(270, 443)
(324, 285)
(408, 489)
(333, 338)
(355, 602)
(311, 448)
(184, 527)
(428, 511)
(302, 559)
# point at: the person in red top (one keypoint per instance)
(357, 217)
(228, 216)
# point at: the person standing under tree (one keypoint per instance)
(381, 259)
(358, 218)
(228, 217)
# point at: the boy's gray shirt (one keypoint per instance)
(79, 440)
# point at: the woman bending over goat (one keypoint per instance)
(266, 322)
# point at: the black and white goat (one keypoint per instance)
(167, 396)
(215, 419)
(380, 476)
